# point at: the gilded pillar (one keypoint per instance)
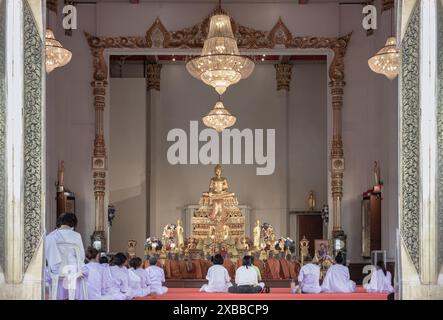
(153, 79)
(99, 164)
(283, 73)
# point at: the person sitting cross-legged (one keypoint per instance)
(337, 278)
(308, 278)
(218, 277)
(246, 278)
(155, 278)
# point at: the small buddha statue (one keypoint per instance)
(179, 230)
(311, 201)
(257, 233)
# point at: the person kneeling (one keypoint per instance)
(308, 278)
(246, 278)
(155, 278)
(218, 277)
(337, 278)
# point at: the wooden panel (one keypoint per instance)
(375, 220)
(310, 226)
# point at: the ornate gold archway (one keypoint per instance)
(157, 36)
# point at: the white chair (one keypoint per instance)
(68, 271)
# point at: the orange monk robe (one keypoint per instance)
(187, 270)
(205, 265)
(261, 266)
(272, 269)
(167, 268)
(145, 264)
(230, 266)
(198, 269)
(239, 262)
(175, 269)
(284, 269)
(294, 269)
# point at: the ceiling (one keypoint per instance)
(216, 1)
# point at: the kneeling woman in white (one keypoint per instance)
(218, 277)
(308, 278)
(380, 281)
(246, 278)
(155, 278)
(337, 278)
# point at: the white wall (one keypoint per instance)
(369, 113)
(127, 162)
(369, 132)
(308, 142)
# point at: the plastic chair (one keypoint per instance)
(68, 273)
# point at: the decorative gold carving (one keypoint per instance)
(153, 73)
(158, 36)
(283, 74)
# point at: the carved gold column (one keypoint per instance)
(336, 84)
(153, 77)
(283, 72)
(99, 158)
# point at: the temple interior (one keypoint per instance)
(308, 153)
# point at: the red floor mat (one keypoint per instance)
(276, 294)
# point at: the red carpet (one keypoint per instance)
(276, 294)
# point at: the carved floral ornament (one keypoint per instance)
(193, 37)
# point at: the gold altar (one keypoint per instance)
(218, 218)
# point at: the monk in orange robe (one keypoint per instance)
(167, 269)
(175, 268)
(284, 268)
(294, 269)
(273, 268)
(230, 266)
(260, 265)
(187, 268)
(205, 265)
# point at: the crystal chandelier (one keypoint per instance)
(56, 55)
(386, 61)
(220, 64)
(219, 118)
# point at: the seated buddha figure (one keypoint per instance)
(218, 186)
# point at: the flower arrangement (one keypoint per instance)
(169, 231)
(153, 244)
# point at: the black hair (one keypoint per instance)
(152, 260)
(381, 265)
(339, 258)
(135, 262)
(103, 259)
(58, 223)
(307, 258)
(247, 261)
(91, 253)
(119, 259)
(68, 219)
(218, 259)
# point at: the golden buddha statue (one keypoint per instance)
(257, 234)
(218, 217)
(218, 186)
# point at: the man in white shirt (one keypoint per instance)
(308, 278)
(337, 278)
(155, 278)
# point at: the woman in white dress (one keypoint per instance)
(65, 234)
(218, 277)
(155, 278)
(380, 280)
(138, 278)
(117, 280)
(308, 278)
